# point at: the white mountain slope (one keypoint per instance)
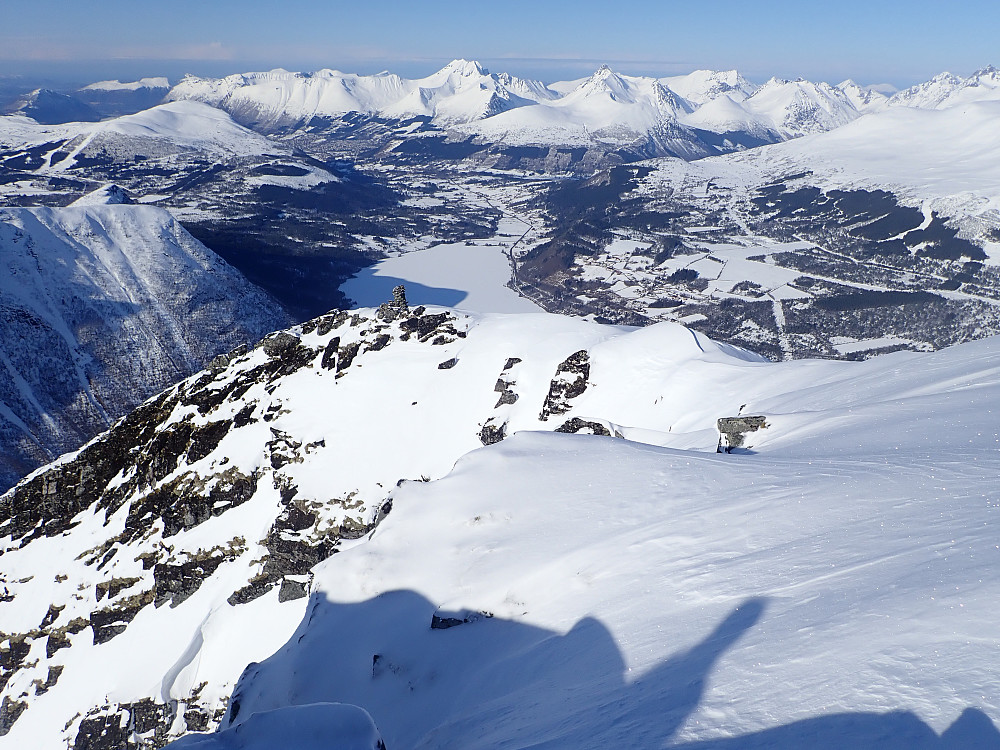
(606, 108)
(459, 92)
(176, 127)
(143, 83)
(864, 99)
(100, 307)
(726, 115)
(154, 153)
(947, 90)
(947, 160)
(701, 86)
(831, 584)
(799, 107)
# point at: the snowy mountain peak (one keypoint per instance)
(864, 98)
(109, 195)
(142, 83)
(702, 86)
(800, 107)
(465, 68)
(605, 80)
(931, 94)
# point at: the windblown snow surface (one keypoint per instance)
(833, 584)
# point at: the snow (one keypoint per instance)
(833, 575)
(459, 92)
(701, 86)
(833, 583)
(950, 155)
(318, 726)
(192, 124)
(142, 83)
(467, 276)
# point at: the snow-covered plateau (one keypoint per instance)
(515, 531)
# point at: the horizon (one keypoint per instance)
(886, 43)
(67, 76)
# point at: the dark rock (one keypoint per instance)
(389, 311)
(291, 590)
(577, 425)
(112, 621)
(491, 433)
(443, 623)
(454, 619)
(511, 361)
(51, 616)
(118, 727)
(111, 588)
(733, 431)
(326, 323)
(380, 342)
(569, 382)
(50, 680)
(195, 720)
(507, 397)
(206, 439)
(57, 639)
(10, 710)
(13, 656)
(346, 356)
(448, 364)
(329, 360)
(278, 344)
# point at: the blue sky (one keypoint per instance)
(873, 42)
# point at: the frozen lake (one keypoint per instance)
(465, 276)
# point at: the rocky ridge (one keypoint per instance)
(218, 490)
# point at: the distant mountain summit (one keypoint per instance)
(948, 90)
(115, 98)
(48, 107)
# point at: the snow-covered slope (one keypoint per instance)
(607, 107)
(799, 107)
(459, 92)
(100, 307)
(174, 128)
(864, 98)
(830, 583)
(703, 86)
(157, 82)
(948, 90)
(949, 157)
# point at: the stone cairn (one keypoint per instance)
(389, 311)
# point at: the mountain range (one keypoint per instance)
(608, 107)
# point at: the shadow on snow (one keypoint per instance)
(485, 682)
